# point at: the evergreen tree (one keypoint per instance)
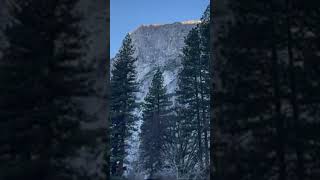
(123, 103)
(188, 91)
(204, 30)
(42, 76)
(156, 126)
(193, 98)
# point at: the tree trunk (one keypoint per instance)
(199, 129)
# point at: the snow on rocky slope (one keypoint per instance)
(157, 45)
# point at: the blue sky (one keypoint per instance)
(127, 15)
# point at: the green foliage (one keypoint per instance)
(123, 103)
(192, 96)
(156, 126)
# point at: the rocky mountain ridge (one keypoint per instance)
(159, 45)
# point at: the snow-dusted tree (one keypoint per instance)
(123, 104)
(192, 96)
(204, 76)
(156, 127)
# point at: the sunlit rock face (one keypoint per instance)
(159, 45)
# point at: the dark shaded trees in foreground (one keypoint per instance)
(43, 75)
(266, 94)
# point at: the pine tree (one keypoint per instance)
(193, 99)
(42, 76)
(123, 103)
(156, 126)
(204, 30)
(188, 91)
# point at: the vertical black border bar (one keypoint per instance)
(107, 159)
